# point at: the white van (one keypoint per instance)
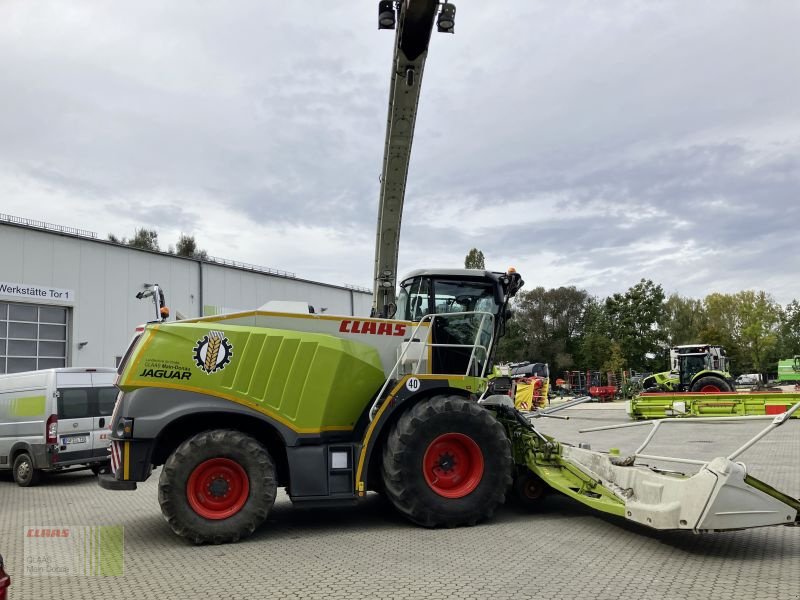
(55, 418)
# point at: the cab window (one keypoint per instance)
(413, 301)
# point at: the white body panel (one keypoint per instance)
(715, 498)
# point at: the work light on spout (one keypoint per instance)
(445, 22)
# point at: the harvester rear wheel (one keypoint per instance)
(710, 383)
(447, 462)
(217, 487)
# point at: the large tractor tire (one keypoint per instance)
(711, 383)
(217, 487)
(447, 462)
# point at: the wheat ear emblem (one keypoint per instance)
(212, 350)
(218, 352)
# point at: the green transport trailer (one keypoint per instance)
(789, 371)
(659, 405)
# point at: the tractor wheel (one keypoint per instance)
(218, 486)
(711, 383)
(24, 473)
(529, 490)
(447, 462)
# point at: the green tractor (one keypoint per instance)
(694, 368)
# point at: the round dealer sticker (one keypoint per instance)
(412, 385)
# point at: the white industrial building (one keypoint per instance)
(67, 298)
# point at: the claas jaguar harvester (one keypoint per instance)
(330, 408)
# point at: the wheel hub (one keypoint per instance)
(453, 465)
(447, 462)
(23, 470)
(218, 488)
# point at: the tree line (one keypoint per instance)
(147, 239)
(573, 330)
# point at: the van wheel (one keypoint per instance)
(24, 473)
(217, 487)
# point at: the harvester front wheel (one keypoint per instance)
(710, 383)
(217, 487)
(447, 462)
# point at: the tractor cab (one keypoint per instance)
(689, 365)
(693, 368)
(466, 309)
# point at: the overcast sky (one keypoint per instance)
(585, 143)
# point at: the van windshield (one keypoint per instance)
(83, 403)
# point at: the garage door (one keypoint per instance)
(32, 337)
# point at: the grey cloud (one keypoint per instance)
(276, 112)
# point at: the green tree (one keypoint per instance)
(146, 239)
(474, 260)
(685, 320)
(747, 324)
(187, 247)
(760, 317)
(594, 340)
(636, 318)
(789, 332)
(614, 361)
(546, 325)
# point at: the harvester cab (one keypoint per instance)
(466, 310)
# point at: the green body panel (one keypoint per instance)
(545, 460)
(29, 406)
(658, 406)
(308, 381)
(789, 370)
(667, 380)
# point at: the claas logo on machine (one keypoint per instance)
(213, 352)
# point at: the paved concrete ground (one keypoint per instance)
(563, 551)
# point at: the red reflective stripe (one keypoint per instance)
(115, 458)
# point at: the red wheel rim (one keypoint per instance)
(710, 388)
(217, 488)
(453, 465)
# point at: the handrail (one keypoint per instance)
(777, 421)
(431, 318)
(48, 226)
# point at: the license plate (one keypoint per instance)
(75, 439)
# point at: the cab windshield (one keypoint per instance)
(422, 296)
